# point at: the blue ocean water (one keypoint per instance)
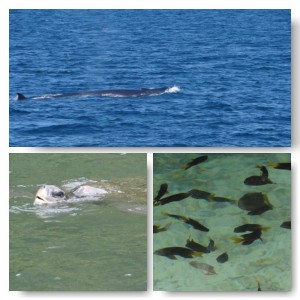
(232, 68)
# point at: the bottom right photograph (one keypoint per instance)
(222, 222)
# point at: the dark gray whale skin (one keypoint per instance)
(103, 93)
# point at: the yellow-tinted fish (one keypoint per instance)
(248, 238)
(222, 199)
(255, 203)
(190, 243)
(198, 194)
(280, 166)
(194, 162)
(170, 252)
(250, 227)
(189, 221)
(259, 180)
(162, 190)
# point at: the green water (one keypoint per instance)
(267, 261)
(85, 246)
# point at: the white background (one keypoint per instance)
(5, 5)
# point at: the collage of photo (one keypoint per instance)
(150, 150)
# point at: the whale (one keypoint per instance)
(107, 93)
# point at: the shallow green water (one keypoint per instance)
(267, 261)
(88, 246)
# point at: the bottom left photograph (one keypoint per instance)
(78, 222)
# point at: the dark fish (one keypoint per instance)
(211, 246)
(157, 228)
(259, 180)
(172, 198)
(189, 221)
(162, 190)
(170, 252)
(249, 227)
(280, 166)
(255, 203)
(194, 162)
(222, 199)
(286, 225)
(259, 210)
(205, 268)
(222, 258)
(248, 238)
(198, 194)
(190, 243)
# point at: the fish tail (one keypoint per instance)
(197, 253)
(265, 228)
(233, 201)
(237, 240)
(273, 165)
(165, 214)
(211, 197)
(168, 226)
(267, 202)
(156, 202)
(184, 167)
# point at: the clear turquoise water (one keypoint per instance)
(93, 246)
(267, 261)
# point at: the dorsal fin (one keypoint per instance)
(21, 96)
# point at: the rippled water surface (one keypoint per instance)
(82, 245)
(232, 68)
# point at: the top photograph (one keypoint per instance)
(150, 78)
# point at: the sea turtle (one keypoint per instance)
(127, 194)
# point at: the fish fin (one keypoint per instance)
(237, 240)
(265, 228)
(171, 256)
(21, 96)
(196, 253)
